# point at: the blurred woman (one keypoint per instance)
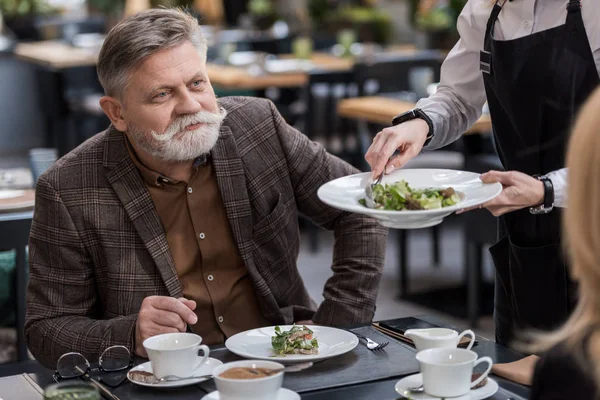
(570, 369)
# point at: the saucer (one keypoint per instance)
(204, 369)
(282, 394)
(416, 380)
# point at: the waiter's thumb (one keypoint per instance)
(505, 178)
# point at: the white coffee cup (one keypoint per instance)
(248, 389)
(447, 372)
(175, 354)
(435, 338)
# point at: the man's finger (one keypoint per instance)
(168, 319)
(191, 304)
(176, 306)
(505, 178)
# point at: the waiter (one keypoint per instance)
(535, 61)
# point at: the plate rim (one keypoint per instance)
(207, 396)
(171, 384)
(491, 381)
(288, 360)
(364, 210)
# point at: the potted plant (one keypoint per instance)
(369, 23)
(262, 13)
(20, 16)
(435, 20)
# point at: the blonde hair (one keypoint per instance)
(581, 226)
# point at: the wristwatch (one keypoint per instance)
(414, 114)
(548, 204)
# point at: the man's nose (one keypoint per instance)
(187, 104)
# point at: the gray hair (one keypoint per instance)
(137, 37)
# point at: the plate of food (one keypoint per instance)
(288, 344)
(410, 198)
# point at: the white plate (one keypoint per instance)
(344, 193)
(10, 194)
(256, 344)
(204, 369)
(416, 380)
(282, 394)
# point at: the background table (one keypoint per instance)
(381, 110)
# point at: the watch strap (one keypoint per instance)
(414, 114)
(548, 203)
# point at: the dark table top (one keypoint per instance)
(374, 390)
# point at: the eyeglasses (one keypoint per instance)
(113, 359)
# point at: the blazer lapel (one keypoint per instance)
(130, 189)
(234, 192)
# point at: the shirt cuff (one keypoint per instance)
(559, 182)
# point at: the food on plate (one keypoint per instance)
(481, 384)
(400, 196)
(248, 373)
(298, 340)
(142, 376)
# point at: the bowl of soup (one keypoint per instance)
(248, 380)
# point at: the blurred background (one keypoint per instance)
(338, 70)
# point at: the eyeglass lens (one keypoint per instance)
(115, 358)
(72, 365)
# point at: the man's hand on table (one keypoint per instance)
(162, 314)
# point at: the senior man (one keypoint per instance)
(183, 213)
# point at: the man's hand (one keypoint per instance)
(162, 314)
(408, 138)
(518, 191)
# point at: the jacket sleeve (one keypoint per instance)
(62, 302)
(359, 249)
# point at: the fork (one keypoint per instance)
(372, 345)
(369, 199)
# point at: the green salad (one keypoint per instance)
(400, 196)
(298, 340)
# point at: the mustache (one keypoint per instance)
(179, 124)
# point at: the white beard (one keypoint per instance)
(188, 145)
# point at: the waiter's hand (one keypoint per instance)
(519, 191)
(408, 138)
(162, 314)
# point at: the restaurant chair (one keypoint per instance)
(389, 74)
(321, 122)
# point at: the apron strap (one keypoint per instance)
(485, 56)
(574, 18)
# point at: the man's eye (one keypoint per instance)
(197, 83)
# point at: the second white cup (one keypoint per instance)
(447, 372)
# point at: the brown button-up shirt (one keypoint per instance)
(204, 251)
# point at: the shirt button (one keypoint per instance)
(526, 23)
(220, 319)
(210, 277)
(190, 190)
(202, 235)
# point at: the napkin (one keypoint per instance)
(464, 341)
(520, 371)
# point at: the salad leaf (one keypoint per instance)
(298, 340)
(400, 196)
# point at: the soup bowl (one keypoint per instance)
(262, 388)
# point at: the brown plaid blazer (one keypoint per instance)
(97, 246)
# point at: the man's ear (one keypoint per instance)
(114, 111)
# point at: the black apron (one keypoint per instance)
(534, 87)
